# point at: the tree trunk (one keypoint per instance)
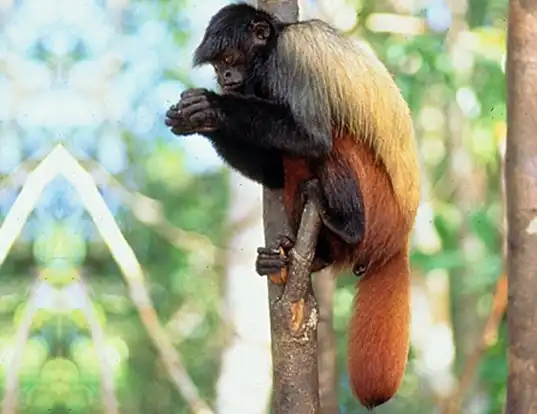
(293, 308)
(521, 195)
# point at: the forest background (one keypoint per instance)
(83, 91)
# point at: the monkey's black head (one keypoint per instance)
(235, 43)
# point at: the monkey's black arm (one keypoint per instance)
(268, 125)
(248, 119)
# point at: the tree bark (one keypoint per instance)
(293, 308)
(294, 315)
(521, 195)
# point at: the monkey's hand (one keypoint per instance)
(273, 261)
(196, 112)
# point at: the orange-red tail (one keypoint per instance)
(379, 332)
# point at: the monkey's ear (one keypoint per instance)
(261, 31)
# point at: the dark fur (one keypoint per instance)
(266, 122)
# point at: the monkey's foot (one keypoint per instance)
(273, 261)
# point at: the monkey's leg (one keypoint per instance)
(343, 211)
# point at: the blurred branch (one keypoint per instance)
(25, 202)
(146, 210)
(11, 388)
(151, 213)
(105, 368)
(20, 174)
(124, 256)
(488, 338)
(60, 162)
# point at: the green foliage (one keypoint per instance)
(455, 88)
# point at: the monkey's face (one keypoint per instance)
(230, 71)
(236, 43)
(234, 65)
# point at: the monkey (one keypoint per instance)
(304, 109)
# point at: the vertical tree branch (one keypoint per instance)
(108, 386)
(487, 339)
(11, 387)
(294, 320)
(521, 201)
(293, 309)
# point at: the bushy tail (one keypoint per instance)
(379, 332)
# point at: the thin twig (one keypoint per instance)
(150, 212)
(25, 202)
(60, 162)
(133, 274)
(487, 339)
(11, 388)
(146, 210)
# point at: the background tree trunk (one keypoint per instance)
(521, 195)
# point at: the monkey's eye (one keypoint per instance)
(228, 59)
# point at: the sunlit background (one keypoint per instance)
(126, 253)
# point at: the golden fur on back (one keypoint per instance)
(359, 95)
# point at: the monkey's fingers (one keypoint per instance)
(173, 122)
(181, 130)
(190, 100)
(267, 251)
(188, 129)
(268, 265)
(174, 114)
(193, 91)
(205, 118)
(179, 124)
(272, 262)
(193, 105)
(285, 242)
